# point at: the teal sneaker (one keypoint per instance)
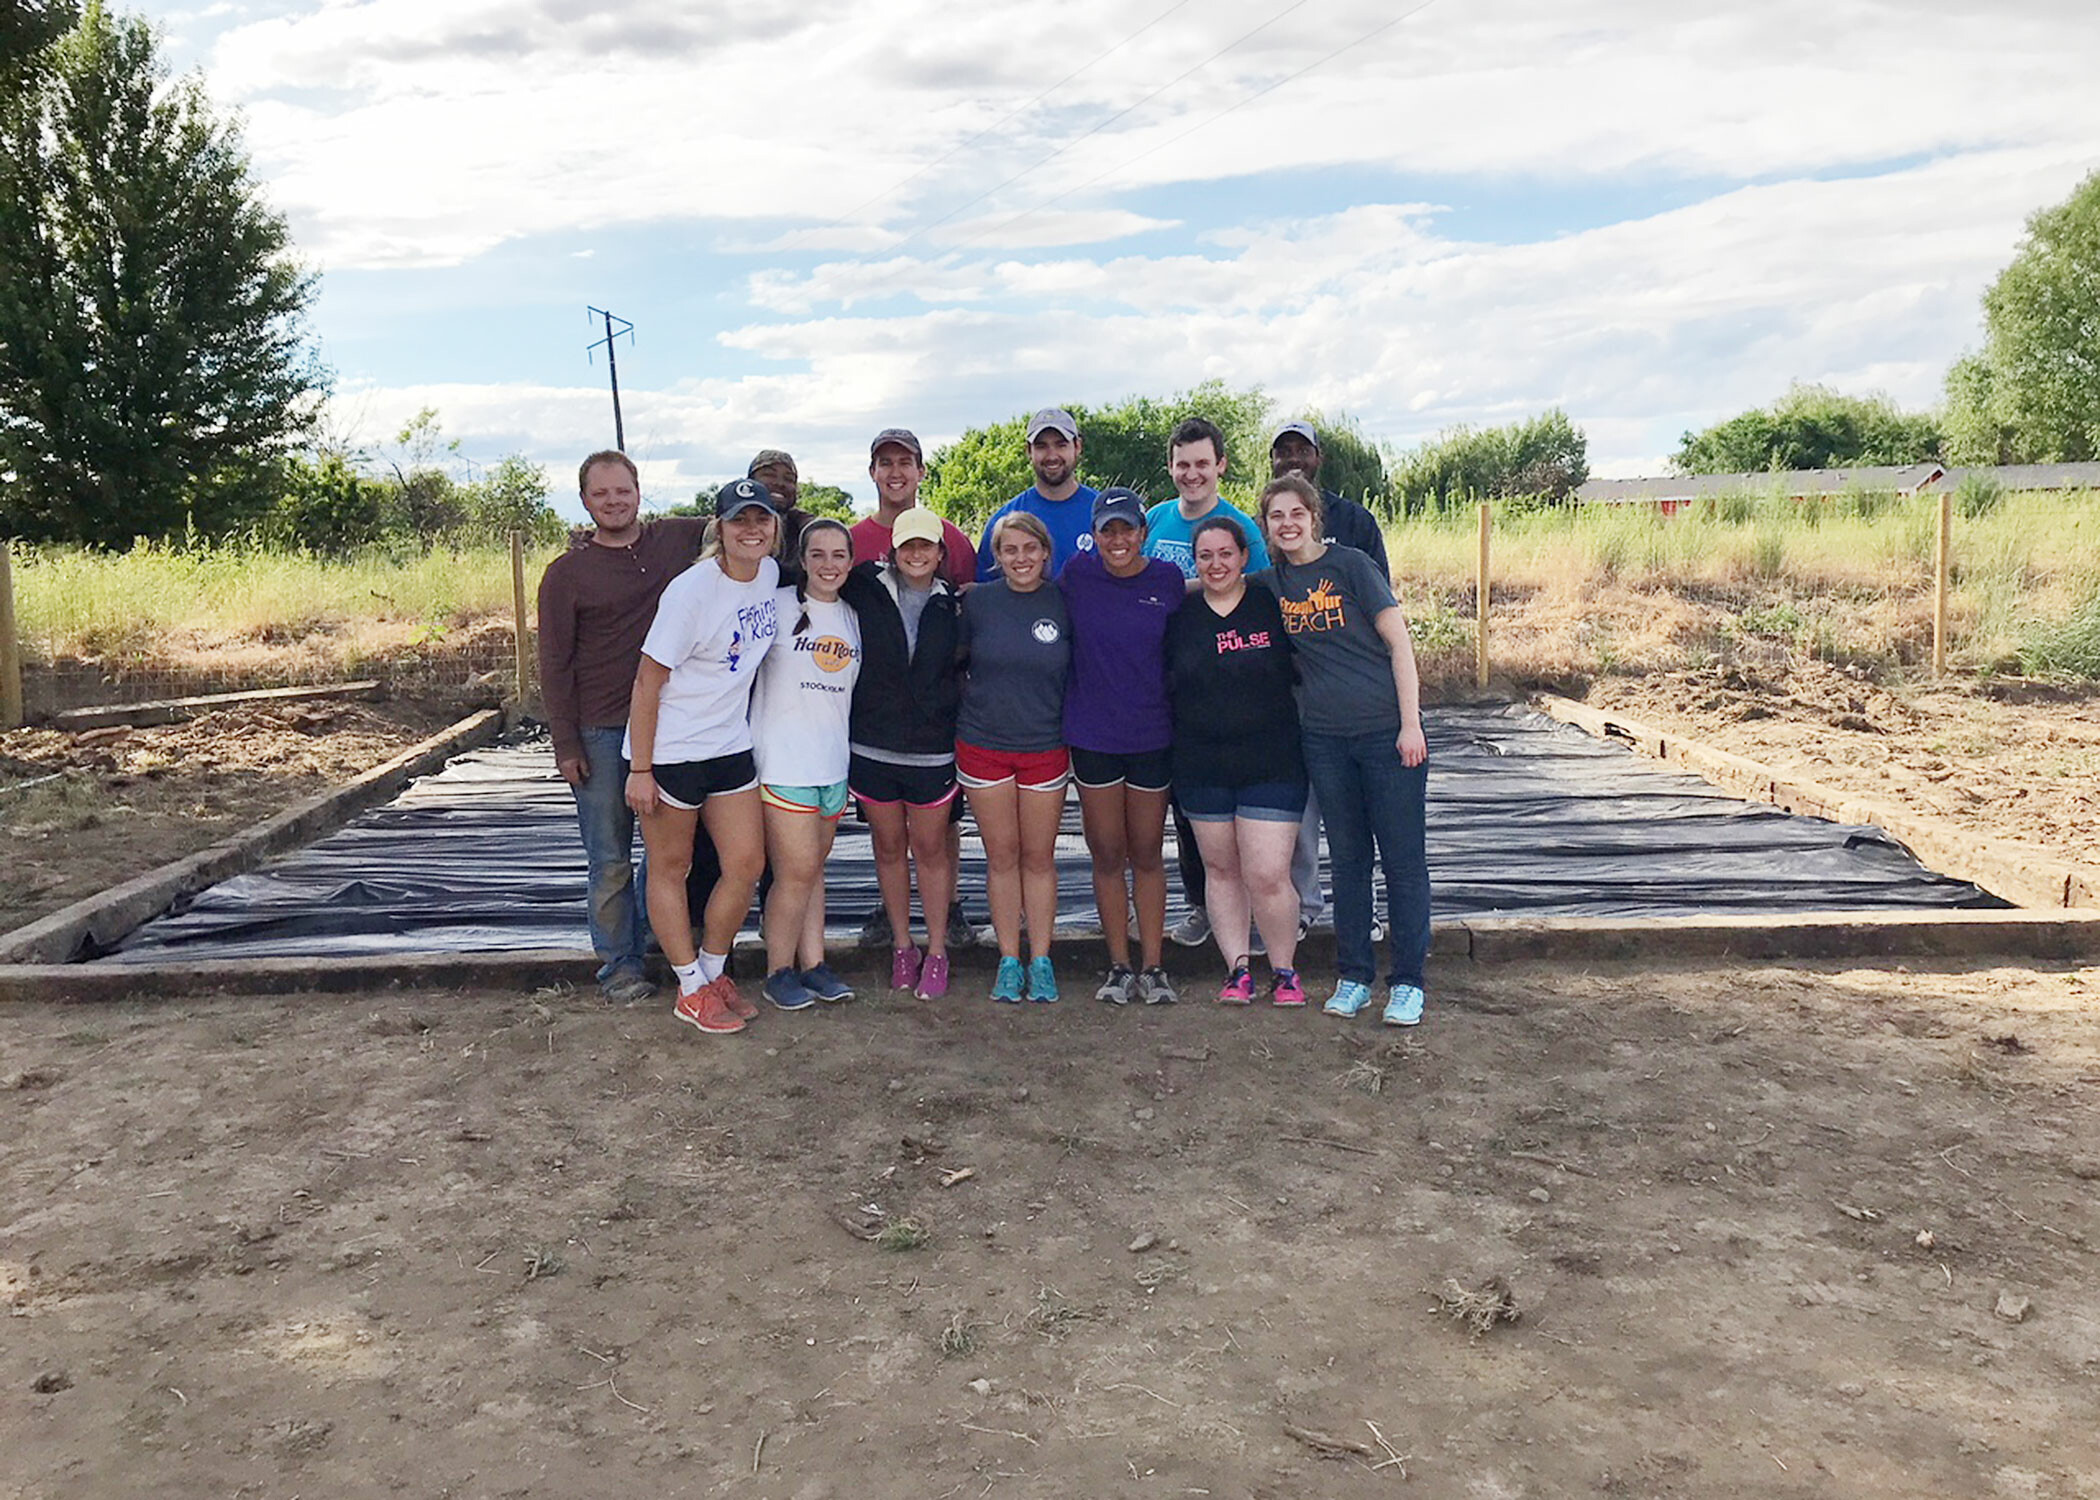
(1403, 1005)
(1042, 979)
(1006, 986)
(1348, 998)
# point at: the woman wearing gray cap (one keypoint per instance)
(689, 746)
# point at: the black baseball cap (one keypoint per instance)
(739, 495)
(1118, 503)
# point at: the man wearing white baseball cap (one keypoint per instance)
(1057, 498)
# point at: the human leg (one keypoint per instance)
(1041, 812)
(794, 850)
(614, 907)
(1337, 780)
(1305, 864)
(997, 809)
(1144, 834)
(1227, 893)
(1265, 847)
(927, 830)
(1397, 804)
(1101, 820)
(1195, 883)
(667, 834)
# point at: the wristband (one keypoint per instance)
(641, 770)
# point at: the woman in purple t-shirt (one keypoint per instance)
(1119, 726)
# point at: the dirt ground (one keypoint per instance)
(1781, 1231)
(2013, 760)
(127, 800)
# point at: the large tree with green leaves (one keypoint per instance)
(1546, 456)
(2033, 394)
(1812, 427)
(153, 366)
(1126, 443)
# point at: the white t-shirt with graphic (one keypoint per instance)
(712, 632)
(799, 709)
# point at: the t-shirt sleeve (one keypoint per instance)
(676, 627)
(960, 566)
(1257, 549)
(1372, 589)
(987, 566)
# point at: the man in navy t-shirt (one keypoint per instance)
(1296, 450)
(1057, 498)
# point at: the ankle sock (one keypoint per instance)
(689, 976)
(711, 965)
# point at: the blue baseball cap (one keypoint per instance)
(740, 495)
(1117, 503)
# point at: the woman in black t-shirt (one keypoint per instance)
(1239, 769)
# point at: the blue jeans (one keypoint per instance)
(618, 925)
(1372, 803)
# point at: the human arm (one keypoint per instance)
(1392, 629)
(557, 660)
(649, 680)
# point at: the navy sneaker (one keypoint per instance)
(825, 985)
(784, 987)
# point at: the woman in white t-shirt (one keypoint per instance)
(799, 717)
(689, 746)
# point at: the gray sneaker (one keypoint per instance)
(962, 933)
(1192, 931)
(1119, 987)
(875, 932)
(629, 989)
(1156, 988)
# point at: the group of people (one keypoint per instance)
(1247, 676)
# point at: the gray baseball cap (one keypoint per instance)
(902, 437)
(1303, 429)
(1052, 419)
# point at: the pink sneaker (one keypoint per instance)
(904, 968)
(1285, 989)
(933, 977)
(1238, 989)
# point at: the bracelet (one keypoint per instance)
(640, 770)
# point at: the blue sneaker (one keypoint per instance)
(785, 989)
(1348, 998)
(1042, 979)
(825, 985)
(1403, 1005)
(1007, 985)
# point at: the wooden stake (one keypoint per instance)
(10, 644)
(522, 640)
(1480, 605)
(1942, 568)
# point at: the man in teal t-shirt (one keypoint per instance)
(1196, 459)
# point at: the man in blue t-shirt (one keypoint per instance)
(1196, 460)
(1057, 498)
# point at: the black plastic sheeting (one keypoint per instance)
(1527, 817)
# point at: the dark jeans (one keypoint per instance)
(1373, 805)
(1194, 888)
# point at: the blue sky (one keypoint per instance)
(838, 216)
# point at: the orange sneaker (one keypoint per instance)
(733, 998)
(705, 1008)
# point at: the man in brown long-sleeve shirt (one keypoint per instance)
(596, 602)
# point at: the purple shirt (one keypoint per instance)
(1117, 700)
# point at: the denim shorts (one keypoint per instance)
(1259, 802)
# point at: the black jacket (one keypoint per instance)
(904, 701)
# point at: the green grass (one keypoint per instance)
(70, 602)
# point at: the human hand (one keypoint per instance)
(642, 794)
(1413, 745)
(575, 769)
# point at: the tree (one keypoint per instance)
(27, 27)
(152, 364)
(1546, 456)
(2033, 396)
(1125, 444)
(1812, 427)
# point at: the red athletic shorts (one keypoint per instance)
(1030, 770)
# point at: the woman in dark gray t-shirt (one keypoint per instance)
(1009, 751)
(1359, 707)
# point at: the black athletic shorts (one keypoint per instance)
(885, 783)
(1144, 771)
(688, 783)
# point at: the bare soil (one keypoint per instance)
(2010, 759)
(127, 800)
(1776, 1231)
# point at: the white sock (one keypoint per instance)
(711, 965)
(690, 976)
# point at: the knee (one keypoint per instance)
(1149, 860)
(1041, 861)
(743, 866)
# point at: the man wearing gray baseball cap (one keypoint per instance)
(1057, 498)
(1296, 450)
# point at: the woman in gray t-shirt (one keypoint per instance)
(1010, 754)
(1359, 706)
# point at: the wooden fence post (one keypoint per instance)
(1480, 605)
(521, 639)
(10, 643)
(1942, 570)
